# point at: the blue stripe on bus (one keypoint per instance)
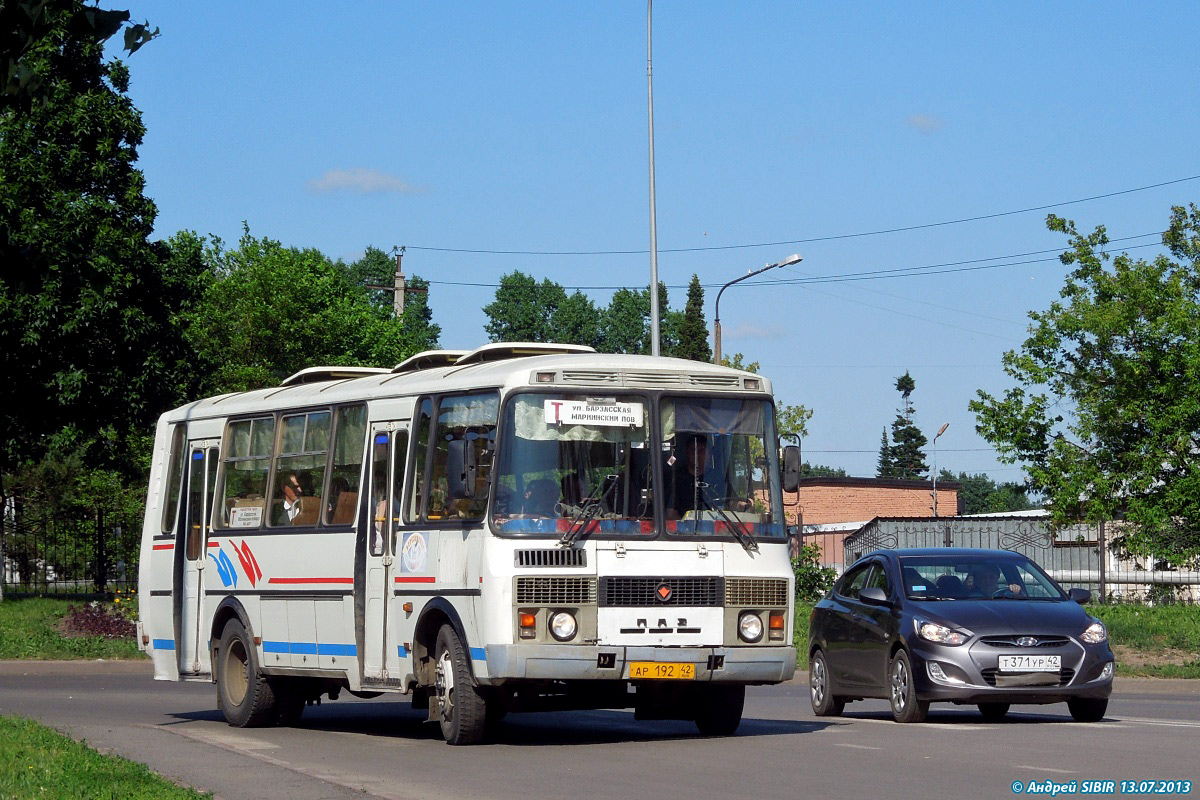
(163, 644)
(304, 648)
(275, 647)
(337, 649)
(402, 651)
(310, 648)
(478, 654)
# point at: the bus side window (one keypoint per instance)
(303, 447)
(471, 419)
(416, 508)
(244, 471)
(170, 502)
(346, 470)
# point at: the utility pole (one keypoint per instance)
(399, 285)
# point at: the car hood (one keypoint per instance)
(1063, 617)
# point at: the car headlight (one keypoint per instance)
(750, 627)
(1095, 633)
(932, 632)
(563, 626)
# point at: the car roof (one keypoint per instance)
(901, 552)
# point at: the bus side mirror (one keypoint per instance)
(461, 469)
(791, 468)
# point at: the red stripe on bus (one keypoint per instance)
(164, 547)
(310, 580)
(415, 579)
(214, 544)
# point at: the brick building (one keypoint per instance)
(829, 509)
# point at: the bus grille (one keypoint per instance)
(639, 592)
(756, 592)
(564, 591)
(556, 557)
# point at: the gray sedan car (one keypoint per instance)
(982, 627)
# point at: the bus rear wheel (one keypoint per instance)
(462, 709)
(244, 695)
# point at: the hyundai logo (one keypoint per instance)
(1027, 641)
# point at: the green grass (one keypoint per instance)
(39, 762)
(1152, 641)
(28, 630)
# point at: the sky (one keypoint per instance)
(492, 137)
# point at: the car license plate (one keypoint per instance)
(661, 670)
(1030, 663)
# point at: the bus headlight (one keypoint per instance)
(563, 626)
(750, 627)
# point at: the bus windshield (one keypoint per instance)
(581, 461)
(718, 459)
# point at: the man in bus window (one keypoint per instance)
(292, 490)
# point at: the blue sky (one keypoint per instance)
(522, 127)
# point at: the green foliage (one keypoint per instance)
(800, 633)
(39, 762)
(812, 580)
(693, 329)
(523, 309)
(903, 457)
(808, 470)
(576, 321)
(738, 361)
(30, 629)
(1106, 411)
(792, 422)
(86, 302)
(270, 311)
(979, 494)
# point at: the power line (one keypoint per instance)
(810, 240)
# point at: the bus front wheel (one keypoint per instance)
(462, 710)
(243, 695)
(720, 712)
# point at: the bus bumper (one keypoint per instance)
(758, 665)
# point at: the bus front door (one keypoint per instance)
(189, 585)
(384, 648)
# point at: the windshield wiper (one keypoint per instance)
(587, 511)
(735, 526)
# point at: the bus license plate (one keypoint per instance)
(661, 670)
(1030, 663)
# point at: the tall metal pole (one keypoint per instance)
(654, 345)
(787, 262)
(941, 430)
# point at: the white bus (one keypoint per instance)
(518, 527)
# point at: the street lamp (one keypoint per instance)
(941, 430)
(787, 262)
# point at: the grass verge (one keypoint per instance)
(1148, 641)
(39, 762)
(30, 628)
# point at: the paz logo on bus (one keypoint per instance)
(664, 593)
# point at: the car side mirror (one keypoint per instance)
(791, 468)
(1081, 596)
(874, 596)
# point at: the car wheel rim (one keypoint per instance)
(236, 672)
(445, 685)
(818, 681)
(899, 686)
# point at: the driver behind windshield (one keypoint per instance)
(688, 481)
(984, 581)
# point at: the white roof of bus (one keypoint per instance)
(582, 371)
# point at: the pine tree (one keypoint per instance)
(906, 458)
(884, 468)
(693, 330)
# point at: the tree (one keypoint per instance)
(377, 268)
(905, 459)
(626, 322)
(576, 321)
(693, 330)
(523, 309)
(808, 470)
(270, 311)
(85, 306)
(979, 494)
(1106, 411)
(884, 467)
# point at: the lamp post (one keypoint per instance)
(787, 262)
(941, 430)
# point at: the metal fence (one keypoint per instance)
(86, 555)
(1077, 555)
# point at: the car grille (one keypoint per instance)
(1011, 641)
(562, 591)
(626, 592)
(1064, 676)
(755, 592)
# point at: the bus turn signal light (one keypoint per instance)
(775, 626)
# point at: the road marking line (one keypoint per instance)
(857, 746)
(1044, 769)
(1177, 723)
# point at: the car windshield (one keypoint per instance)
(976, 577)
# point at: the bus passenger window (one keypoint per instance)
(346, 470)
(244, 473)
(470, 419)
(300, 469)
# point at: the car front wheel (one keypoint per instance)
(824, 703)
(906, 706)
(1087, 709)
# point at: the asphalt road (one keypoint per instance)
(377, 748)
